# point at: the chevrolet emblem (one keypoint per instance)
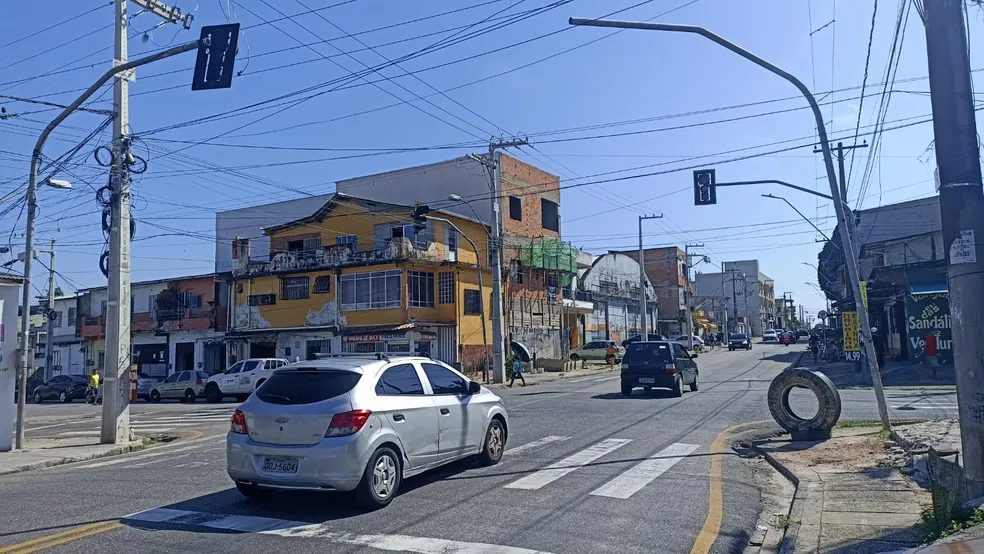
(282, 419)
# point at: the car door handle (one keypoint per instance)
(399, 417)
(445, 411)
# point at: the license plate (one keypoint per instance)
(275, 464)
(647, 379)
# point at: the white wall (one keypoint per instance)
(249, 223)
(142, 293)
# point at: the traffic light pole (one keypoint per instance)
(643, 332)
(840, 205)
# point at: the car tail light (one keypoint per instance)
(625, 367)
(671, 368)
(348, 423)
(238, 423)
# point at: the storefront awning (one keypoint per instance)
(928, 288)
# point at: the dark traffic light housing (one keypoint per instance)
(705, 187)
(420, 212)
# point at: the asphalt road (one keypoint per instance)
(640, 480)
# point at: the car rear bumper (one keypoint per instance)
(664, 380)
(739, 345)
(332, 464)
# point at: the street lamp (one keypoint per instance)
(806, 219)
(58, 184)
(457, 198)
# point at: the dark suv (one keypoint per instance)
(664, 364)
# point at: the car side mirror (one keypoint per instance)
(693, 356)
(474, 387)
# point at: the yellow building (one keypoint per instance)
(354, 277)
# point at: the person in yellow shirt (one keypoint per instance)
(93, 387)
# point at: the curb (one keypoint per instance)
(563, 377)
(132, 446)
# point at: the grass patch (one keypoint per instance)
(856, 424)
(934, 528)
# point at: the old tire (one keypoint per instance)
(495, 444)
(828, 400)
(212, 393)
(155, 396)
(380, 480)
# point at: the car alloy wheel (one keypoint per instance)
(38, 398)
(384, 476)
(495, 444)
(63, 397)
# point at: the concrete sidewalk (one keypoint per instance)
(39, 453)
(894, 374)
(545, 377)
(847, 499)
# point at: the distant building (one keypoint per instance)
(613, 281)
(750, 295)
(666, 269)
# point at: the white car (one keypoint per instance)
(682, 339)
(241, 379)
(770, 335)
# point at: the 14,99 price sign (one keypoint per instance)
(852, 350)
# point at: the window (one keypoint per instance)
(173, 378)
(71, 317)
(56, 319)
(349, 240)
(322, 284)
(240, 248)
(251, 365)
(421, 285)
(262, 299)
(516, 208)
(184, 377)
(152, 304)
(516, 271)
(399, 379)
(102, 307)
(637, 352)
(371, 290)
(295, 288)
(444, 381)
(236, 368)
(101, 359)
(550, 215)
(452, 243)
(306, 386)
(553, 280)
(473, 302)
(445, 287)
(680, 351)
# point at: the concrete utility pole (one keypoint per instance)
(734, 295)
(840, 165)
(50, 328)
(686, 292)
(840, 202)
(116, 395)
(643, 314)
(961, 205)
(498, 331)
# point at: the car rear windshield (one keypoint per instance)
(639, 351)
(306, 386)
(739, 337)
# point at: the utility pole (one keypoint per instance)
(498, 332)
(50, 328)
(643, 314)
(686, 292)
(840, 163)
(961, 203)
(116, 406)
(734, 295)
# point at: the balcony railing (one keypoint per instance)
(341, 255)
(185, 313)
(579, 295)
(92, 327)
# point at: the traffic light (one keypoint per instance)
(420, 212)
(705, 191)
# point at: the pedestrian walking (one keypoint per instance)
(611, 354)
(517, 371)
(879, 340)
(931, 351)
(814, 346)
(93, 391)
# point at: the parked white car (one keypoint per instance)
(770, 335)
(241, 379)
(698, 342)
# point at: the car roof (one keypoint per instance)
(366, 364)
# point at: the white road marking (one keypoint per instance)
(155, 423)
(29, 429)
(634, 479)
(606, 379)
(323, 531)
(559, 469)
(924, 406)
(79, 434)
(160, 451)
(582, 379)
(535, 444)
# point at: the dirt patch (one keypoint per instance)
(845, 454)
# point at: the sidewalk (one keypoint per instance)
(545, 377)
(894, 374)
(39, 453)
(848, 499)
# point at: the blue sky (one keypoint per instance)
(628, 76)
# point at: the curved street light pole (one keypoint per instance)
(843, 212)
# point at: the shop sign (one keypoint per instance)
(927, 313)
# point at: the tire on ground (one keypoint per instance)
(828, 400)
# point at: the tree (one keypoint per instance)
(58, 292)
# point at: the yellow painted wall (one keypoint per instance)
(470, 326)
(285, 313)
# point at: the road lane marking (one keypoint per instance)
(160, 451)
(535, 444)
(323, 531)
(559, 469)
(61, 537)
(715, 501)
(635, 478)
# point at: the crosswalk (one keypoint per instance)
(150, 423)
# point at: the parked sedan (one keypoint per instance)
(698, 342)
(185, 386)
(637, 338)
(659, 364)
(596, 350)
(144, 384)
(360, 424)
(63, 388)
(770, 335)
(739, 340)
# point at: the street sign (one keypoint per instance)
(822, 314)
(216, 57)
(705, 192)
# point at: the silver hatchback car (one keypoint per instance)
(360, 423)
